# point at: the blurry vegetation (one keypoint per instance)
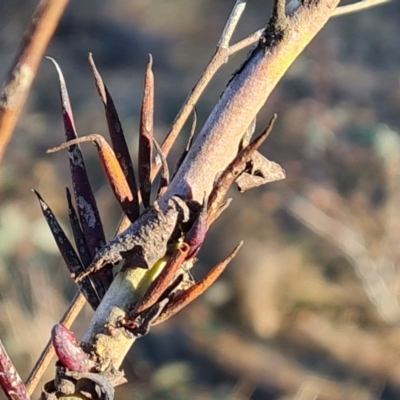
(299, 313)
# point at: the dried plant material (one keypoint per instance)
(117, 136)
(103, 385)
(145, 241)
(192, 132)
(146, 135)
(112, 169)
(233, 170)
(260, 171)
(141, 324)
(246, 138)
(68, 350)
(68, 253)
(186, 297)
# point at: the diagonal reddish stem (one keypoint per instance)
(10, 381)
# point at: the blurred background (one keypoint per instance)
(310, 308)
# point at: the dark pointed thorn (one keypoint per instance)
(68, 253)
(88, 212)
(186, 297)
(146, 135)
(117, 136)
(79, 237)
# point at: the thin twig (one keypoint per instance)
(223, 52)
(232, 22)
(251, 39)
(361, 5)
(219, 58)
(22, 72)
(45, 358)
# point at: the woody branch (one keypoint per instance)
(218, 142)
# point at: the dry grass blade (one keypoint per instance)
(146, 135)
(68, 253)
(23, 71)
(186, 297)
